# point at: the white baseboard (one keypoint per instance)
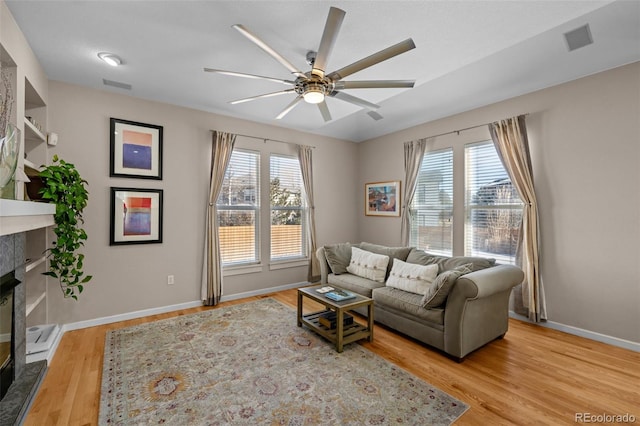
(129, 315)
(598, 337)
(263, 291)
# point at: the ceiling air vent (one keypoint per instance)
(375, 115)
(116, 84)
(580, 37)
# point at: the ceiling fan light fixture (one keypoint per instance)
(110, 58)
(313, 92)
(313, 97)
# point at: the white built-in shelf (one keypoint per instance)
(32, 133)
(29, 165)
(34, 263)
(33, 300)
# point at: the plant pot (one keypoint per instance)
(33, 188)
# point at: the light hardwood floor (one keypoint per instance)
(533, 376)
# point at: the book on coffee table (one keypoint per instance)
(329, 319)
(340, 295)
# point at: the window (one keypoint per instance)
(287, 208)
(432, 205)
(238, 210)
(493, 206)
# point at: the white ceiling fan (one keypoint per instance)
(315, 85)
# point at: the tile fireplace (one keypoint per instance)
(22, 379)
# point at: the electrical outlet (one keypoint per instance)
(170, 280)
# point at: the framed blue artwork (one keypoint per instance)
(136, 150)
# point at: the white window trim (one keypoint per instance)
(288, 263)
(229, 271)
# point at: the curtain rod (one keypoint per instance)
(269, 139)
(465, 129)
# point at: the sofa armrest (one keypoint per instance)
(485, 282)
(477, 309)
(324, 265)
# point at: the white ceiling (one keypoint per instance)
(468, 54)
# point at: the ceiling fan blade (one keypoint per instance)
(266, 95)
(376, 58)
(241, 74)
(354, 100)
(264, 46)
(324, 110)
(289, 107)
(329, 36)
(374, 84)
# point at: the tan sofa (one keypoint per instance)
(475, 312)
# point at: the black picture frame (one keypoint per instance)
(135, 149)
(136, 216)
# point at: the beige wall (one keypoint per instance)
(585, 147)
(134, 277)
(584, 142)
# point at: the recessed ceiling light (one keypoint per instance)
(110, 58)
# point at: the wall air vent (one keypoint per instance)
(580, 37)
(116, 84)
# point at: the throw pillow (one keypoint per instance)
(411, 278)
(437, 293)
(393, 252)
(368, 265)
(338, 257)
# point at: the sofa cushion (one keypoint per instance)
(368, 265)
(407, 305)
(354, 283)
(411, 277)
(393, 252)
(437, 293)
(338, 257)
(444, 263)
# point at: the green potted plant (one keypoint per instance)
(64, 187)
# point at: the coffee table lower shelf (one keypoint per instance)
(351, 333)
(342, 334)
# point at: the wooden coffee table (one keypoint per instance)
(342, 334)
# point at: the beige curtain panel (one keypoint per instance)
(413, 155)
(510, 139)
(222, 148)
(305, 156)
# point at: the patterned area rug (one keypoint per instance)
(250, 364)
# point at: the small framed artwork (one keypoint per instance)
(382, 198)
(136, 216)
(136, 150)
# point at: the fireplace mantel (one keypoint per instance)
(21, 216)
